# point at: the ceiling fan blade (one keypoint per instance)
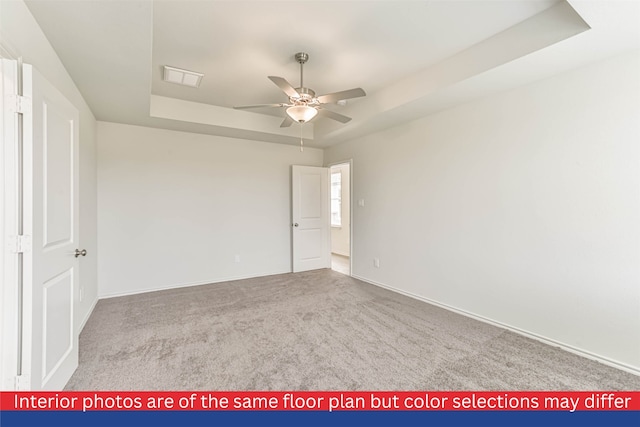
(345, 94)
(333, 115)
(243, 107)
(284, 85)
(288, 121)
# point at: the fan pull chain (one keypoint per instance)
(301, 141)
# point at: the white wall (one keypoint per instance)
(522, 208)
(176, 208)
(340, 236)
(21, 36)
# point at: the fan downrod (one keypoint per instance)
(302, 57)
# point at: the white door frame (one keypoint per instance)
(350, 163)
(10, 221)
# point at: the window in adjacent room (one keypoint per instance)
(336, 196)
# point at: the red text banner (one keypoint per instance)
(322, 401)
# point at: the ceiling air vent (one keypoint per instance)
(182, 77)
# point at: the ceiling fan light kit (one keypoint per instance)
(303, 103)
(302, 113)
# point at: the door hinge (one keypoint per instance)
(23, 382)
(19, 244)
(19, 104)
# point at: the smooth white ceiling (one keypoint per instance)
(412, 57)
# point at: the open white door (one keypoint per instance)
(310, 218)
(50, 343)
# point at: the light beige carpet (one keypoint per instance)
(318, 330)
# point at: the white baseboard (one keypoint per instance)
(545, 340)
(84, 321)
(186, 285)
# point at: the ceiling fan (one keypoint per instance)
(303, 103)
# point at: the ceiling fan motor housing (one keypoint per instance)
(307, 97)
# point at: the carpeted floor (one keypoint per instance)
(318, 330)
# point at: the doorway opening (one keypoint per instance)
(340, 201)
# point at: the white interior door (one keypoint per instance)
(50, 344)
(310, 218)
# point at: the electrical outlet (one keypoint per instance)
(237, 259)
(376, 262)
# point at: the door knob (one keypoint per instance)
(79, 252)
(295, 225)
